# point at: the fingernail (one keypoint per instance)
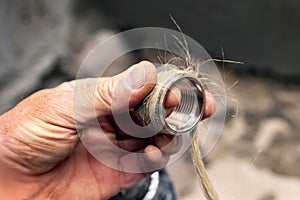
(136, 77)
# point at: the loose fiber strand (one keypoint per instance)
(208, 188)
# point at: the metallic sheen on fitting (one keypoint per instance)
(185, 117)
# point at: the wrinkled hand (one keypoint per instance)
(41, 156)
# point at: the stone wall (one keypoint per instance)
(33, 37)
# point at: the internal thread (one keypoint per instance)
(186, 115)
(188, 112)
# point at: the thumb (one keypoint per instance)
(130, 87)
(122, 91)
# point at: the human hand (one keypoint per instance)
(41, 156)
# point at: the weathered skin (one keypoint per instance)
(41, 156)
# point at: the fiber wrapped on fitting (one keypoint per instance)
(185, 117)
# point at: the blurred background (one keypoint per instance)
(43, 43)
